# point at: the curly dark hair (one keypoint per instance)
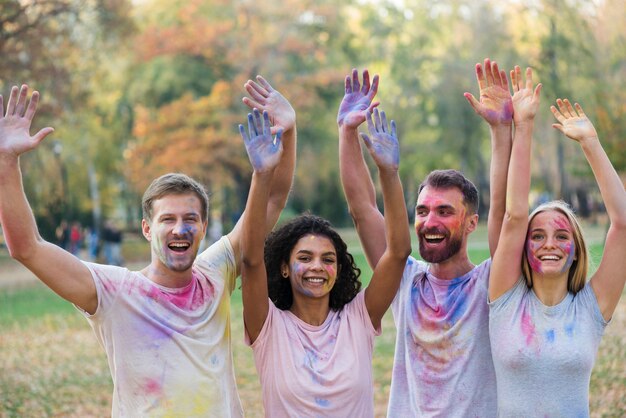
(278, 247)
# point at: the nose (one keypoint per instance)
(317, 264)
(430, 220)
(550, 242)
(179, 227)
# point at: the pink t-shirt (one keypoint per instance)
(312, 371)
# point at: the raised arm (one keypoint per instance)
(507, 261)
(65, 274)
(355, 176)
(265, 98)
(382, 144)
(608, 281)
(496, 108)
(265, 154)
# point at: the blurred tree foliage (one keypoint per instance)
(139, 88)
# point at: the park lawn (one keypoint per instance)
(52, 365)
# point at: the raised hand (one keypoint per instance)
(265, 98)
(573, 123)
(263, 150)
(15, 136)
(495, 105)
(382, 143)
(525, 99)
(357, 100)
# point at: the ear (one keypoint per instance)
(472, 222)
(146, 230)
(284, 270)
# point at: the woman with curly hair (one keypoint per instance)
(545, 319)
(310, 327)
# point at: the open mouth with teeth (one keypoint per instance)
(315, 280)
(179, 247)
(550, 257)
(433, 238)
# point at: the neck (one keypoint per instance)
(455, 266)
(550, 290)
(163, 276)
(311, 311)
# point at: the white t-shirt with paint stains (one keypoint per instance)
(442, 365)
(317, 371)
(543, 355)
(169, 350)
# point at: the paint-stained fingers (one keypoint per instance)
(251, 126)
(32, 106)
(12, 101)
(505, 82)
(366, 82)
(383, 122)
(263, 82)
(366, 139)
(488, 72)
(1, 106)
(348, 85)
(480, 77)
(370, 122)
(377, 120)
(393, 129)
(374, 88)
(518, 77)
(266, 123)
(356, 86)
(495, 73)
(513, 81)
(244, 135)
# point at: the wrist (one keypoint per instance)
(526, 124)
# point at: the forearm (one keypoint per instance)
(396, 219)
(518, 179)
(282, 179)
(501, 142)
(16, 217)
(355, 176)
(609, 182)
(253, 237)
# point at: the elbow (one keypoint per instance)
(400, 252)
(516, 216)
(22, 251)
(250, 262)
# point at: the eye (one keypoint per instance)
(329, 260)
(304, 258)
(563, 237)
(421, 212)
(536, 237)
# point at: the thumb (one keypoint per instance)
(472, 101)
(39, 136)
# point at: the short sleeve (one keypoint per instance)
(219, 260)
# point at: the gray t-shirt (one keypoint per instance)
(543, 355)
(442, 365)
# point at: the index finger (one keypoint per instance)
(480, 77)
(264, 83)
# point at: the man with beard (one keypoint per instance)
(166, 328)
(442, 365)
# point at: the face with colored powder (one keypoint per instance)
(312, 267)
(550, 247)
(176, 230)
(440, 220)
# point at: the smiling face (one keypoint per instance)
(175, 231)
(550, 247)
(441, 220)
(312, 267)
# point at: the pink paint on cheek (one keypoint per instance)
(330, 270)
(535, 263)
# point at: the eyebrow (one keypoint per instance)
(443, 206)
(311, 252)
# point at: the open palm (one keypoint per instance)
(382, 142)
(265, 98)
(15, 135)
(357, 100)
(573, 123)
(263, 150)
